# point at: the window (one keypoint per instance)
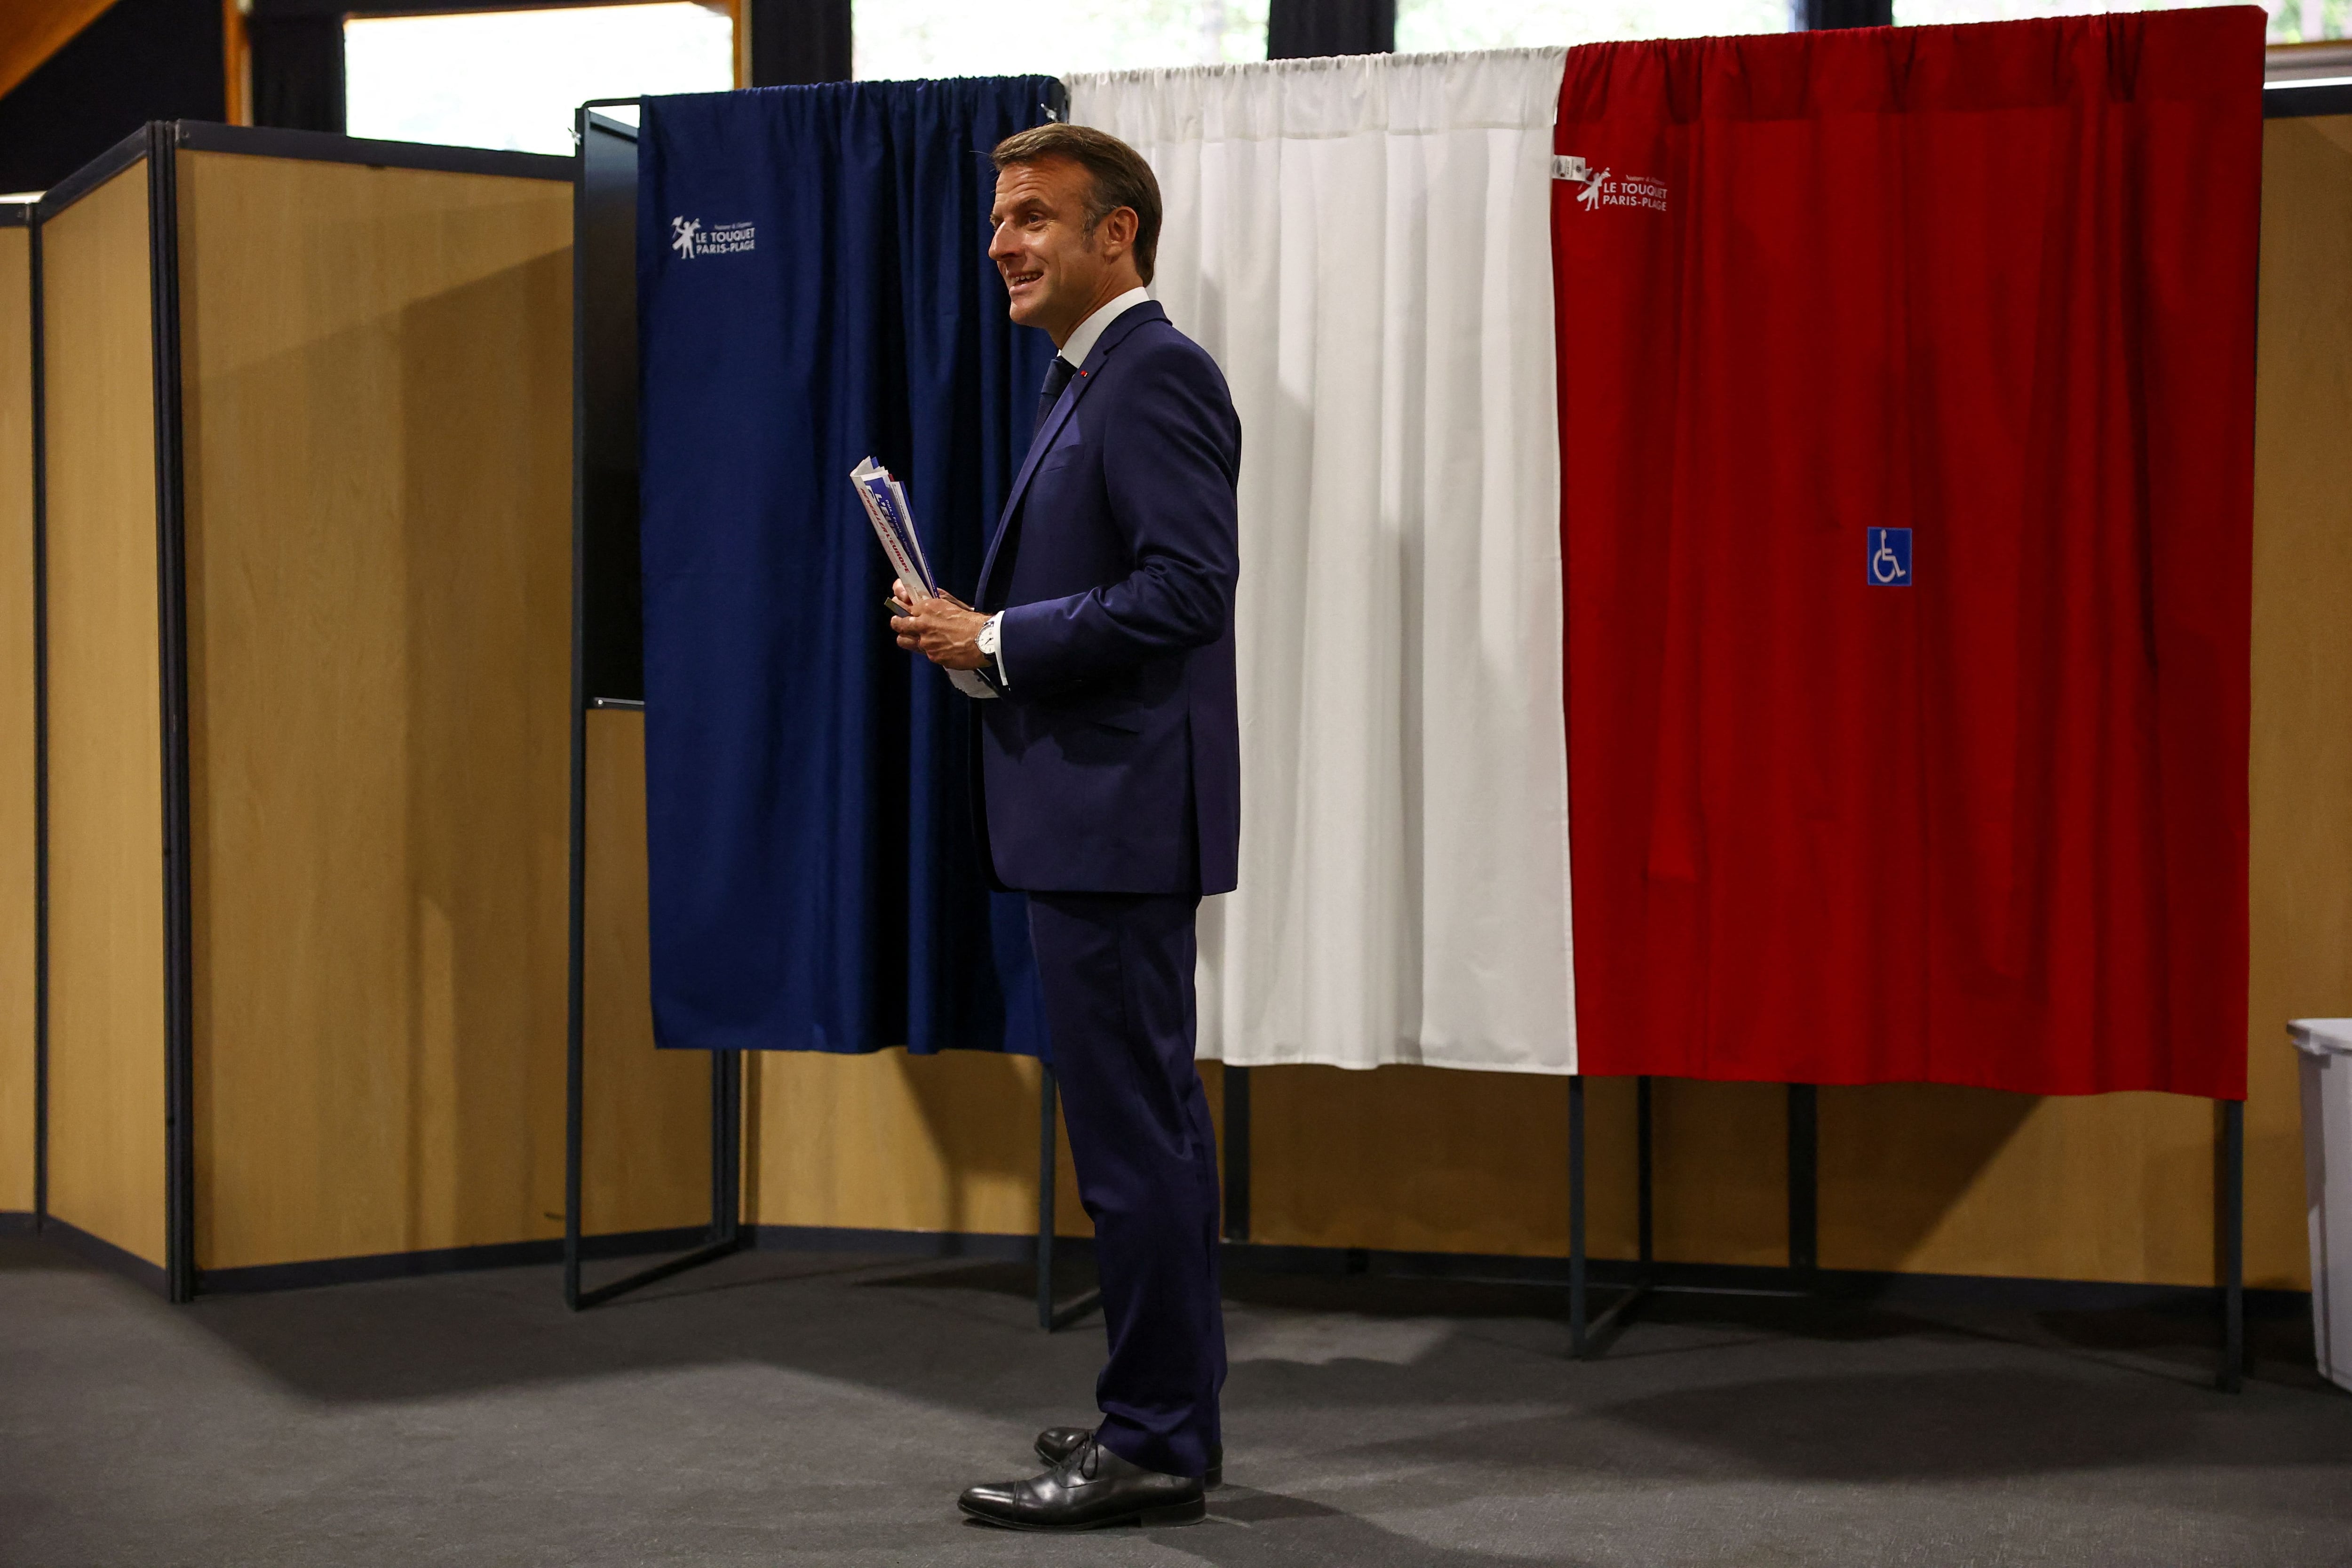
(2291, 21)
(512, 78)
(1428, 25)
(897, 40)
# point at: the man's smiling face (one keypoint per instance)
(1052, 265)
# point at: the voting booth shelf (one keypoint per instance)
(302, 598)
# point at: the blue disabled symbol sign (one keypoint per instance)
(1890, 557)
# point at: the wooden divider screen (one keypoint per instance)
(1913, 1178)
(645, 1133)
(377, 392)
(105, 737)
(2301, 772)
(16, 758)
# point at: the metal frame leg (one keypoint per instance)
(725, 1236)
(1237, 1153)
(1050, 1314)
(1804, 1184)
(1577, 1336)
(725, 1233)
(2231, 1376)
(1646, 1212)
(1620, 1312)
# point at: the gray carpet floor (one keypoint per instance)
(791, 1408)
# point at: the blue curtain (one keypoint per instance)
(814, 286)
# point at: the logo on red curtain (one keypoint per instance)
(1890, 557)
(1607, 188)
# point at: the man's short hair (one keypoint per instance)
(1121, 177)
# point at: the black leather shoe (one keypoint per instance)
(1089, 1488)
(1055, 1444)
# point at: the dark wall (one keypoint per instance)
(798, 41)
(297, 70)
(140, 60)
(1304, 29)
(1820, 16)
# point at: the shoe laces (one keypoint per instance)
(1087, 1459)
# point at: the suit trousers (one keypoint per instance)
(1118, 975)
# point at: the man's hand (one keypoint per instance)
(943, 630)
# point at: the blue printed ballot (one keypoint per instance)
(894, 525)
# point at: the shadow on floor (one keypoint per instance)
(964, 1335)
(1250, 1529)
(1865, 1428)
(1933, 1426)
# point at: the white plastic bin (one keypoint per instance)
(2326, 1047)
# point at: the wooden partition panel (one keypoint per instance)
(105, 737)
(896, 1142)
(1927, 1178)
(646, 1127)
(17, 758)
(2301, 772)
(377, 392)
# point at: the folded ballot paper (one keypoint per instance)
(893, 526)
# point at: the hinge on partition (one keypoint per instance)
(1564, 167)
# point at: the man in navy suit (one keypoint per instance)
(1102, 653)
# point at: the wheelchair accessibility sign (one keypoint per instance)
(1890, 557)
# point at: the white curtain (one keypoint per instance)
(1364, 243)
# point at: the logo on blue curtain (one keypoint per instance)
(1890, 557)
(690, 238)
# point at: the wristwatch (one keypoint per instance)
(987, 637)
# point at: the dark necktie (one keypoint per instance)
(1057, 377)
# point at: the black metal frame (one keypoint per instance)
(1236, 1154)
(1804, 1131)
(156, 145)
(2230, 1227)
(91, 175)
(725, 1234)
(2287, 101)
(329, 147)
(1803, 1271)
(171, 598)
(24, 215)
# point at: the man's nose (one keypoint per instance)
(999, 243)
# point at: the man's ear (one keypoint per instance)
(1119, 228)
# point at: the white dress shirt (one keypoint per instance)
(1074, 351)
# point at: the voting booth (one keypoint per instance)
(2109, 1102)
(747, 733)
(290, 413)
(305, 466)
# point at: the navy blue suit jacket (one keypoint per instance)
(1112, 763)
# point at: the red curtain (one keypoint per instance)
(1906, 427)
